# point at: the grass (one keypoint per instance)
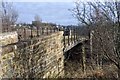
(74, 70)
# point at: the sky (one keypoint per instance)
(40, 0)
(57, 0)
(53, 12)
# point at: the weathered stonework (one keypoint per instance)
(8, 38)
(6, 53)
(36, 58)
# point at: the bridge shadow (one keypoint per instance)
(73, 61)
(74, 54)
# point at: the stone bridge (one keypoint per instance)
(37, 57)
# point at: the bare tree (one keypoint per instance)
(105, 31)
(9, 15)
(104, 19)
(37, 23)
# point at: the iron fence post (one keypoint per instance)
(71, 34)
(47, 31)
(37, 31)
(24, 33)
(64, 37)
(50, 30)
(31, 32)
(74, 35)
(54, 29)
(42, 31)
(68, 36)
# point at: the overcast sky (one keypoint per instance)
(58, 0)
(49, 12)
(55, 11)
(40, 0)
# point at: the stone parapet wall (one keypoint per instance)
(8, 38)
(36, 58)
(6, 53)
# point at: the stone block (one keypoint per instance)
(38, 54)
(8, 38)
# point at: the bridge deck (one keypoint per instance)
(73, 44)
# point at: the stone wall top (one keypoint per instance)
(8, 38)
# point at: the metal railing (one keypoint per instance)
(72, 36)
(29, 33)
